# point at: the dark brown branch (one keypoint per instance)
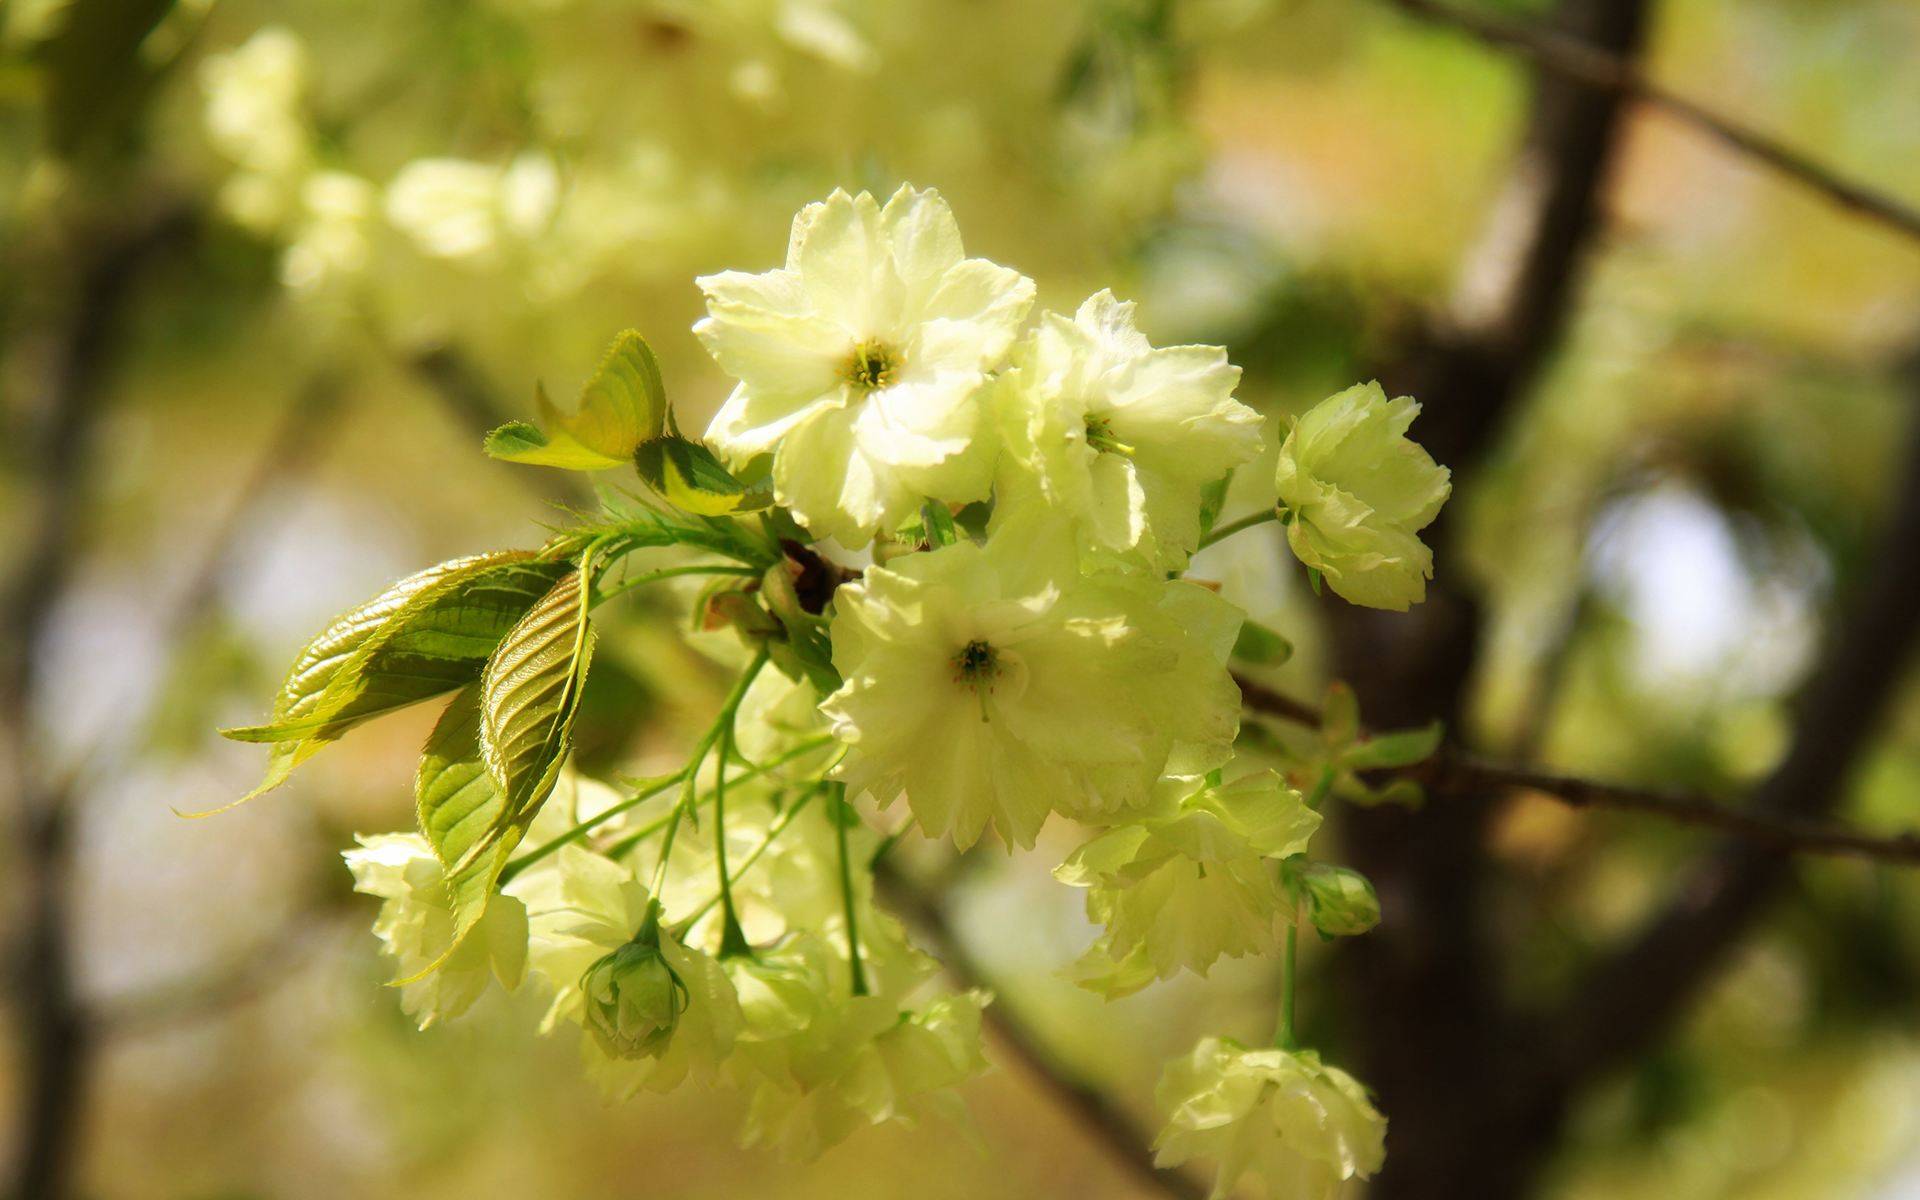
(1451, 772)
(1423, 992)
(52, 1026)
(1634, 995)
(1580, 61)
(1118, 1131)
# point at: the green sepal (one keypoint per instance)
(806, 652)
(936, 522)
(1213, 498)
(1260, 645)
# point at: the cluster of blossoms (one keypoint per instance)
(962, 594)
(645, 137)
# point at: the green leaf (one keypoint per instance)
(1404, 793)
(1258, 644)
(455, 799)
(1402, 748)
(622, 406)
(428, 634)
(458, 805)
(691, 478)
(1340, 901)
(529, 694)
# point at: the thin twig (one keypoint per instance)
(1580, 61)
(1118, 1131)
(1452, 772)
(1447, 773)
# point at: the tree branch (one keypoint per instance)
(1635, 994)
(1453, 772)
(1578, 60)
(1434, 1031)
(1125, 1138)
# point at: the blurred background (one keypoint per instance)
(268, 271)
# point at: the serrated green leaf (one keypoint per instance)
(1258, 644)
(691, 478)
(622, 406)
(1340, 901)
(458, 806)
(1402, 748)
(426, 635)
(529, 694)
(455, 799)
(522, 442)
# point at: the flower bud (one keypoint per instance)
(633, 1001)
(1340, 901)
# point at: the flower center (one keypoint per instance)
(976, 663)
(1100, 436)
(977, 666)
(872, 366)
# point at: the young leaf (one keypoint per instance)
(1340, 715)
(529, 693)
(622, 406)
(427, 634)
(1402, 748)
(692, 479)
(454, 797)
(458, 805)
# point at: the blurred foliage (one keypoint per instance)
(1660, 534)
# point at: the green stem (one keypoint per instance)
(1285, 1037)
(1223, 532)
(774, 830)
(733, 940)
(641, 580)
(689, 785)
(648, 790)
(843, 815)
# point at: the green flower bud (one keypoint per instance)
(1356, 492)
(633, 1001)
(1339, 900)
